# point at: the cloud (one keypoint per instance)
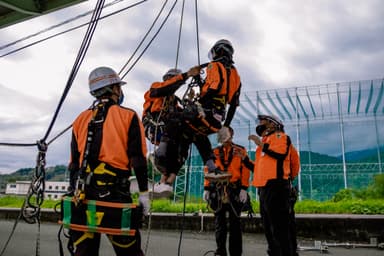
(277, 44)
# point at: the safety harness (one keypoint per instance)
(216, 105)
(86, 210)
(223, 187)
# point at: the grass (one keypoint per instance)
(350, 206)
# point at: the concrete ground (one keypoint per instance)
(157, 243)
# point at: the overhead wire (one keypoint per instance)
(179, 34)
(150, 42)
(82, 25)
(145, 36)
(79, 59)
(197, 33)
(71, 29)
(29, 210)
(122, 77)
(55, 26)
(81, 55)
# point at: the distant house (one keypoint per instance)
(53, 189)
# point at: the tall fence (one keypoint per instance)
(337, 128)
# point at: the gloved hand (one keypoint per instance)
(243, 196)
(223, 135)
(206, 195)
(144, 202)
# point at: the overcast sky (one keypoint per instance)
(277, 44)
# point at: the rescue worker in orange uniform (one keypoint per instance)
(277, 163)
(207, 113)
(161, 115)
(229, 196)
(107, 143)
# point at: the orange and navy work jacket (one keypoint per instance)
(234, 159)
(158, 93)
(277, 159)
(221, 85)
(122, 144)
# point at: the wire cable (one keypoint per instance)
(150, 42)
(185, 199)
(55, 26)
(71, 29)
(197, 33)
(145, 36)
(31, 211)
(79, 59)
(179, 36)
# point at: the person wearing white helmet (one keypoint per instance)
(107, 142)
(277, 164)
(161, 116)
(229, 197)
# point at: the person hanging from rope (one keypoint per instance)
(108, 142)
(277, 164)
(161, 114)
(229, 196)
(206, 114)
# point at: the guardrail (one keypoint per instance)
(328, 227)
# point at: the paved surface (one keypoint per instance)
(158, 243)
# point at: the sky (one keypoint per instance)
(278, 44)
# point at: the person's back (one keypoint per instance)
(221, 87)
(107, 142)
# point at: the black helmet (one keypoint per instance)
(223, 47)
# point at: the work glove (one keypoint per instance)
(223, 135)
(206, 195)
(144, 202)
(243, 196)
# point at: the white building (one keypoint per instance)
(53, 189)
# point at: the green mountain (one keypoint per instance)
(55, 173)
(307, 157)
(58, 173)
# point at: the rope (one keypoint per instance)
(185, 199)
(80, 57)
(69, 30)
(145, 36)
(197, 33)
(55, 26)
(150, 42)
(17, 144)
(31, 210)
(179, 37)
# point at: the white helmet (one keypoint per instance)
(272, 118)
(101, 77)
(221, 47)
(171, 73)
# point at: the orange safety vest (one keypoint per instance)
(217, 79)
(114, 144)
(156, 104)
(152, 105)
(277, 159)
(230, 159)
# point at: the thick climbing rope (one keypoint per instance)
(31, 210)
